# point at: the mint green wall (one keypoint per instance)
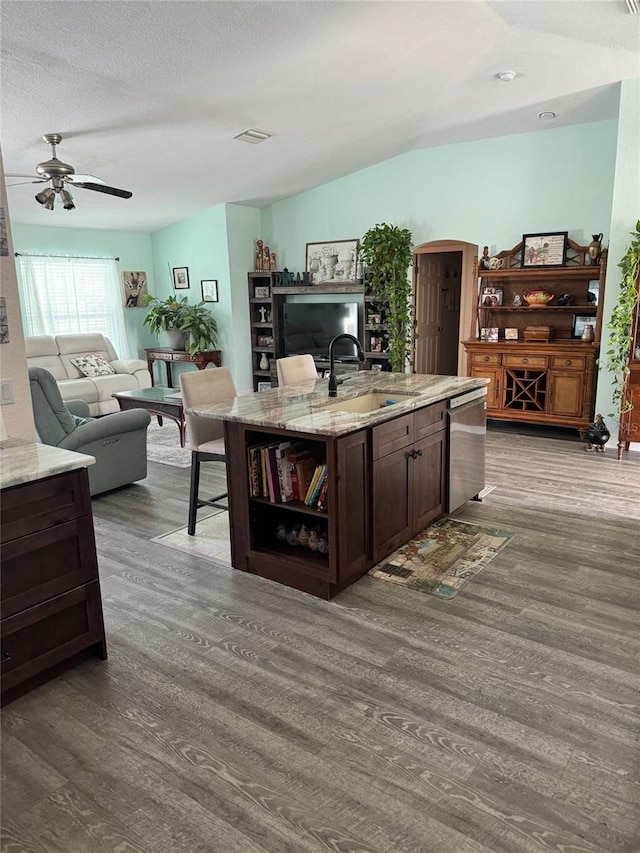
(625, 212)
(488, 192)
(199, 243)
(133, 249)
(243, 229)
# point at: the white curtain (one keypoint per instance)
(73, 295)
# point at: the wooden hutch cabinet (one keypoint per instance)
(630, 421)
(540, 381)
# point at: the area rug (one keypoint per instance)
(211, 540)
(163, 444)
(443, 558)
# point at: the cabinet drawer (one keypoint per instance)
(572, 363)
(429, 420)
(486, 358)
(391, 436)
(47, 563)
(162, 356)
(42, 636)
(525, 361)
(31, 507)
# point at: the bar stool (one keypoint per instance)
(206, 435)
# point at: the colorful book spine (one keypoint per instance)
(322, 496)
(318, 486)
(312, 485)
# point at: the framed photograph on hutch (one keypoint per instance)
(580, 321)
(181, 278)
(209, 290)
(264, 386)
(544, 250)
(332, 262)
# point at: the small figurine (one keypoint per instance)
(597, 435)
(565, 299)
(266, 259)
(259, 256)
(517, 301)
(281, 532)
(484, 260)
(263, 315)
(292, 536)
(273, 264)
(303, 535)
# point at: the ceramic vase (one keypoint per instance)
(264, 362)
(588, 334)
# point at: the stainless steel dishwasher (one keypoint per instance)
(467, 435)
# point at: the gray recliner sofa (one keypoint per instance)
(118, 442)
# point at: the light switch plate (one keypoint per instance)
(6, 392)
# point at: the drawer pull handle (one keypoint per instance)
(486, 358)
(568, 361)
(525, 361)
(6, 656)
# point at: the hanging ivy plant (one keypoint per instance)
(386, 252)
(621, 323)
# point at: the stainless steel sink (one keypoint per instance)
(367, 403)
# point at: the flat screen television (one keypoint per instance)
(310, 326)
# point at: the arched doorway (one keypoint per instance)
(445, 289)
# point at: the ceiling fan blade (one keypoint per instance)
(36, 178)
(23, 183)
(81, 179)
(103, 188)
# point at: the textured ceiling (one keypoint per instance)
(149, 95)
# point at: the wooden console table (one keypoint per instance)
(168, 355)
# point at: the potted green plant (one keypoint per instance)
(621, 324)
(387, 254)
(189, 327)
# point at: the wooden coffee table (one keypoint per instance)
(156, 401)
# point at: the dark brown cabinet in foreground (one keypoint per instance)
(51, 606)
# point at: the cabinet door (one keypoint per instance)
(428, 468)
(567, 388)
(630, 426)
(494, 389)
(391, 503)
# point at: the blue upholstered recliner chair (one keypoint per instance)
(118, 441)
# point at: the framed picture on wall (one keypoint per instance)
(181, 278)
(209, 290)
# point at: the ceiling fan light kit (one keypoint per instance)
(61, 174)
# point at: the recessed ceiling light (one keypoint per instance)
(253, 136)
(547, 115)
(506, 76)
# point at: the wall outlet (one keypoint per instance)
(6, 392)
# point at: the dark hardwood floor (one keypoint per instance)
(238, 716)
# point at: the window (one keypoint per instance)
(62, 296)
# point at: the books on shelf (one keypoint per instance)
(286, 471)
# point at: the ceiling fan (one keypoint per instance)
(60, 176)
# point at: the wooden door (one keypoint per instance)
(429, 278)
(493, 374)
(428, 485)
(390, 498)
(566, 393)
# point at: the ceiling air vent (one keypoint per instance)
(253, 136)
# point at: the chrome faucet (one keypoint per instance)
(333, 385)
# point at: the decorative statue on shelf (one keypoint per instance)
(267, 259)
(274, 265)
(263, 314)
(484, 260)
(597, 435)
(259, 256)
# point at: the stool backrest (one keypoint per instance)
(199, 388)
(296, 369)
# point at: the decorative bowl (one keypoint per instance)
(537, 298)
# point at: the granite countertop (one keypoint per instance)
(306, 407)
(25, 461)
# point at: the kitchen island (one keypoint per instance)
(384, 442)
